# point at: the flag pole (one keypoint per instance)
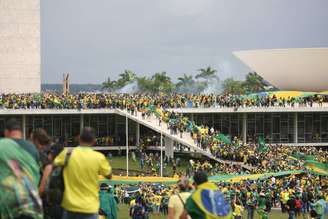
(127, 144)
(161, 154)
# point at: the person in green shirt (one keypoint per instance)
(262, 206)
(19, 179)
(108, 204)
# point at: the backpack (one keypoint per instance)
(137, 211)
(55, 187)
(320, 208)
(298, 204)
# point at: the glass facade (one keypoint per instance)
(225, 123)
(62, 128)
(110, 128)
(312, 127)
(274, 127)
(4, 119)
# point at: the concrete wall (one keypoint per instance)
(19, 46)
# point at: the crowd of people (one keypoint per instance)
(296, 196)
(34, 168)
(259, 157)
(139, 101)
(39, 179)
(31, 169)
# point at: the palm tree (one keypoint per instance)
(125, 78)
(186, 84)
(128, 75)
(184, 81)
(162, 82)
(254, 82)
(206, 73)
(145, 84)
(109, 84)
(231, 86)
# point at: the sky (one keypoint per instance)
(96, 39)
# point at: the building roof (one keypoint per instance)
(304, 69)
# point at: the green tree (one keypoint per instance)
(253, 83)
(206, 73)
(125, 78)
(109, 85)
(162, 83)
(209, 82)
(231, 86)
(145, 84)
(157, 83)
(186, 84)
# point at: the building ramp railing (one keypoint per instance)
(186, 140)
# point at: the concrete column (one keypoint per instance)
(169, 147)
(244, 129)
(81, 122)
(137, 134)
(24, 126)
(295, 128)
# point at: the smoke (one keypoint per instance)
(188, 88)
(214, 86)
(129, 88)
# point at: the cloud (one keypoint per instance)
(96, 39)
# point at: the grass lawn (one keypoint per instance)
(119, 166)
(124, 214)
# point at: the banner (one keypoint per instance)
(225, 139)
(316, 167)
(238, 178)
(133, 180)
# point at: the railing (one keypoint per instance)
(185, 139)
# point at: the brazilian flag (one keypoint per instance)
(225, 139)
(207, 202)
(316, 167)
(301, 156)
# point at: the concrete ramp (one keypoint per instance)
(153, 123)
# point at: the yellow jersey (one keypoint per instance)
(81, 178)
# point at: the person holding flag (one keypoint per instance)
(206, 202)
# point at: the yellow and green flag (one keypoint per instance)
(316, 167)
(262, 145)
(225, 139)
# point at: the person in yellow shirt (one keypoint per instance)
(81, 171)
(177, 201)
(157, 204)
(238, 210)
(133, 202)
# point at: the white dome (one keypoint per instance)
(303, 69)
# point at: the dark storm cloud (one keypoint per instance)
(95, 39)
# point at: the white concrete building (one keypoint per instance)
(300, 69)
(20, 46)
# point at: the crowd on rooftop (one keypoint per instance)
(113, 100)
